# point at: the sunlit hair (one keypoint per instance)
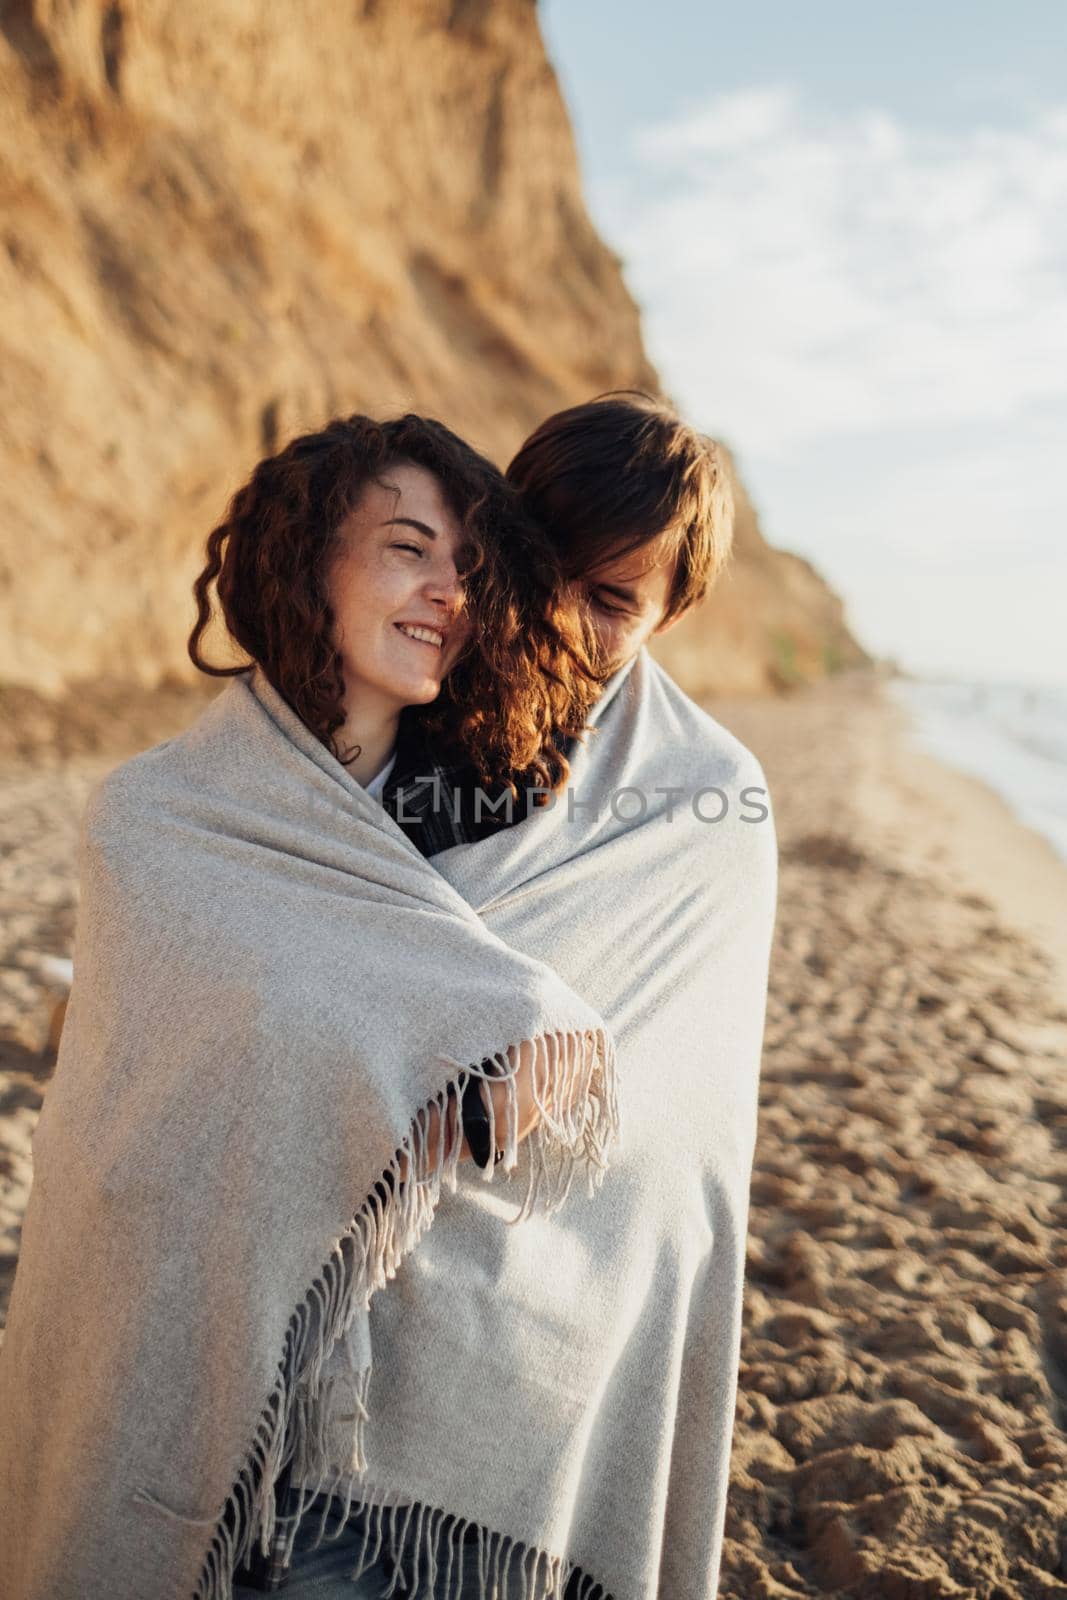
(524, 681)
(609, 476)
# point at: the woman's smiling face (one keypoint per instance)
(395, 589)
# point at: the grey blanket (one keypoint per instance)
(271, 989)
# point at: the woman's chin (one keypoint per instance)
(421, 694)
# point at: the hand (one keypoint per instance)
(521, 1085)
(528, 1114)
(433, 1133)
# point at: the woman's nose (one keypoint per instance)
(446, 587)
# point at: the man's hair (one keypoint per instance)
(607, 477)
(525, 678)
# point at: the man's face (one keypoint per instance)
(627, 599)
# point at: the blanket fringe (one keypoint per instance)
(442, 1547)
(573, 1083)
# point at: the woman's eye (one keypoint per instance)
(602, 605)
(414, 547)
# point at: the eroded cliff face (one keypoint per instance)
(224, 222)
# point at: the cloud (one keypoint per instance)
(874, 313)
(804, 273)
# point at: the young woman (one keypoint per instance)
(377, 566)
(369, 565)
(368, 569)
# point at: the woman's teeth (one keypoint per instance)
(423, 635)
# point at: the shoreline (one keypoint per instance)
(917, 807)
(1020, 870)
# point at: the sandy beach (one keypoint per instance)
(901, 1424)
(903, 1387)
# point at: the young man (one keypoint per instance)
(639, 509)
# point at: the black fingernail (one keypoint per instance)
(478, 1139)
(476, 1123)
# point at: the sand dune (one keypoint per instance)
(903, 1389)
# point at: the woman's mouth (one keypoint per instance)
(432, 637)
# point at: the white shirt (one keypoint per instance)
(377, 783)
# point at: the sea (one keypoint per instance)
(1012, 735)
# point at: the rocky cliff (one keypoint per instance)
(223, 222)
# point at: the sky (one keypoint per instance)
(846, 227)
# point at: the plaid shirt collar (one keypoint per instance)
(425, 792)
(439, 802)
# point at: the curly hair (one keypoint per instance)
(525, 680)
